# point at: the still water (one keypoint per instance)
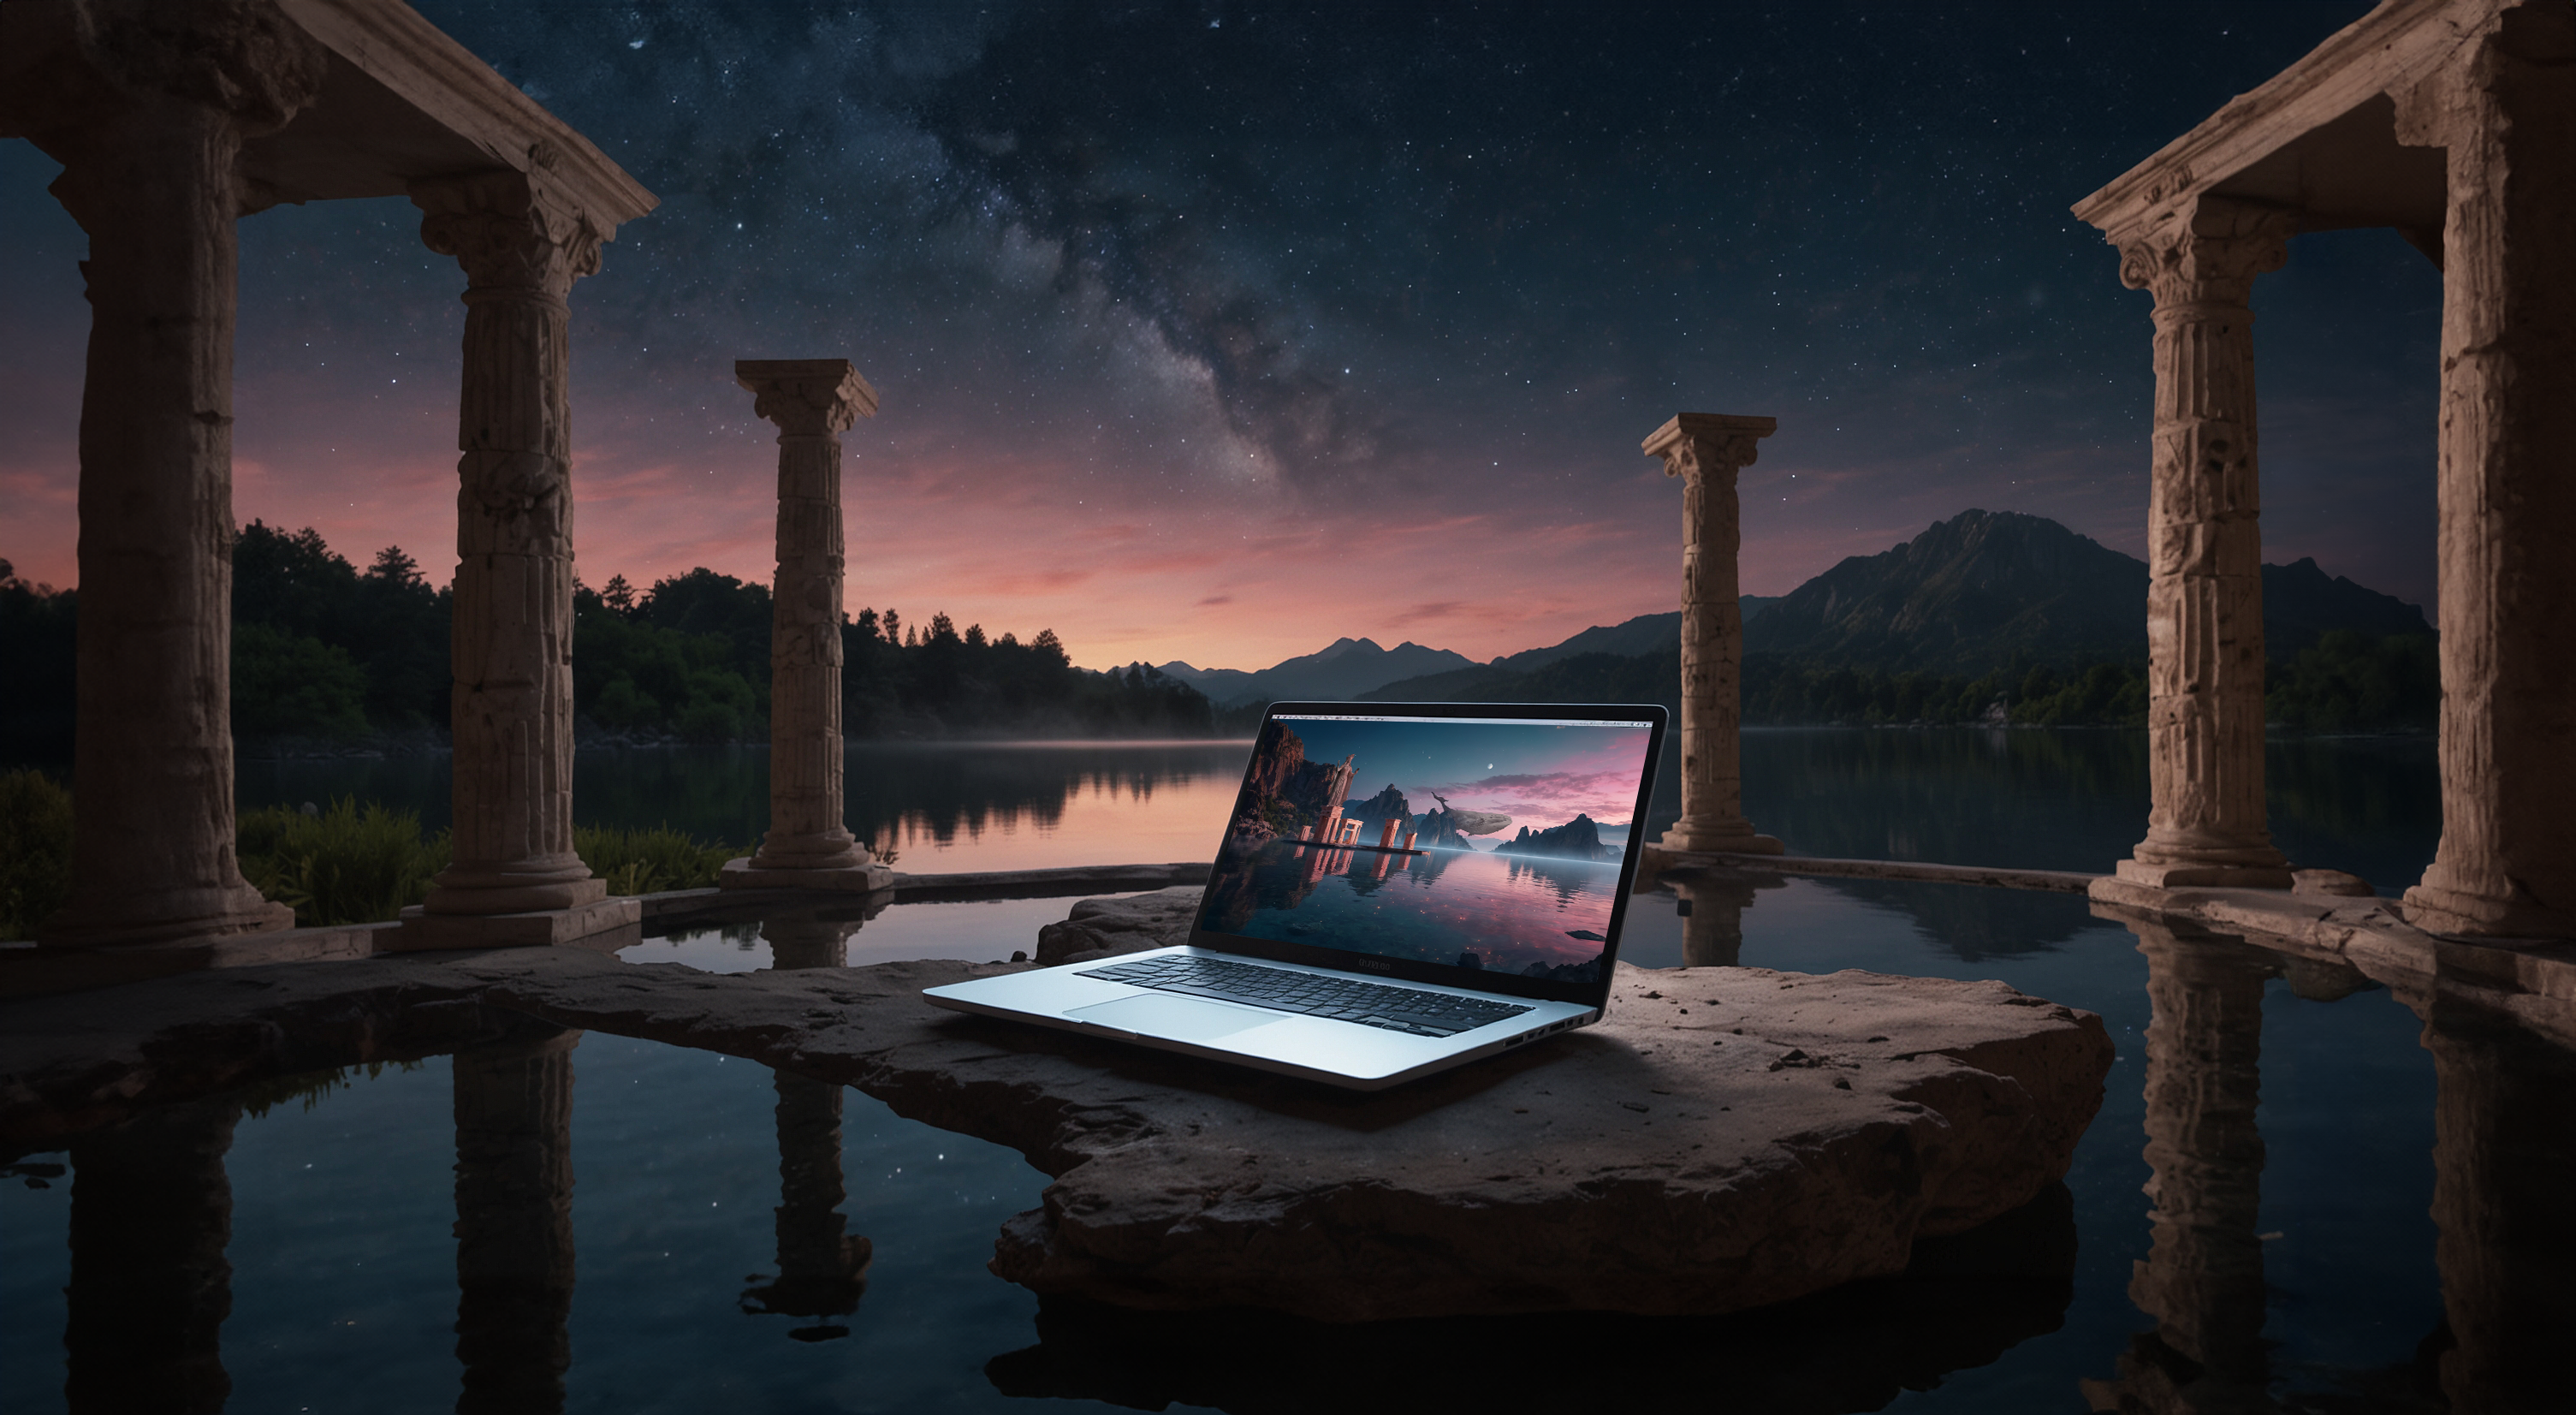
(723, 1233)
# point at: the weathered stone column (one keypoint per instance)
(149, 171)
(1707, 450)
(813, 401)
(151, 1215)
(2504, 1142)
(2202, 1280)
(2206, 823)
(522, 246)
(2506, 112)
(514, 1253)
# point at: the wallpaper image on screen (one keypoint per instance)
(1483, 843)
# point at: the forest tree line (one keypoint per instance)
(325, 651)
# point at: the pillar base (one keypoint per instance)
(2194, 874)
(604, 926)
(2450, 912)
(201, 920)
(855, 879)
(1742, 841)
(474, 901)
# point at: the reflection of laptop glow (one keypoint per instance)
(1365, 937)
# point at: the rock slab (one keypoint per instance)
(1727, 1139)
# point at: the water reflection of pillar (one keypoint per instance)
(2202, 1280)
(803, 941)
(2504, 1142)
(822, 1271)
(1712, 909)
(151, 1213)
(514, 1259)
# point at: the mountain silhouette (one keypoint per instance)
(1344, 668)
(1970, 595)
(1980, 589)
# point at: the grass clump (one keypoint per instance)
(650, 861)
(351, 864)
(35, 850)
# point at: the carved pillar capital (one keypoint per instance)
(806, 397)
(2211, 258)
(513, 232)
(242, 57)
(147, 87)
(1694, 444)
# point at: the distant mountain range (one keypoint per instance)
(1342, 669)
(1990, 587)
(1969, 595)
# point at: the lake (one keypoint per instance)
(702, 1187)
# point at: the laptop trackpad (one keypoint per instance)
(1180, 1019)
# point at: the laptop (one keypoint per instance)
(1401, 888)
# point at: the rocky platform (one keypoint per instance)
(1727, 1139)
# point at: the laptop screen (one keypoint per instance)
(1484, 850)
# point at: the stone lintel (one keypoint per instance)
(605, 926)
(862, 879)
(1719, 426)
(404, 103)
(2318, 135)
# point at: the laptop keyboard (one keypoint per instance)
(1424, 1014)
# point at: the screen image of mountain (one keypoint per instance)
(1304, 862)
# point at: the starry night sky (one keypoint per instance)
(1215, 331)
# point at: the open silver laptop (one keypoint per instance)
(1401, 887)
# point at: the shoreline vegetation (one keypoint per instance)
(350, 862)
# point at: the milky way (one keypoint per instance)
(1217, 331)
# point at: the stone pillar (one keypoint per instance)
(150, 175)
(2202, 1281)
(813, 401)
(514, 1255)
(522, 246)
(1707, 450)
(2206, 823)
(2506, 112)
(2504, 1142)
(152, 1212)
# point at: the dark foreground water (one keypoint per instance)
(2302, 1199)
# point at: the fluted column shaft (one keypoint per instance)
(813, 401)
(514, 1244)
(152, 179)
(512, 635)
(2206, 822)
(1707, 451)
(2506, 112)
